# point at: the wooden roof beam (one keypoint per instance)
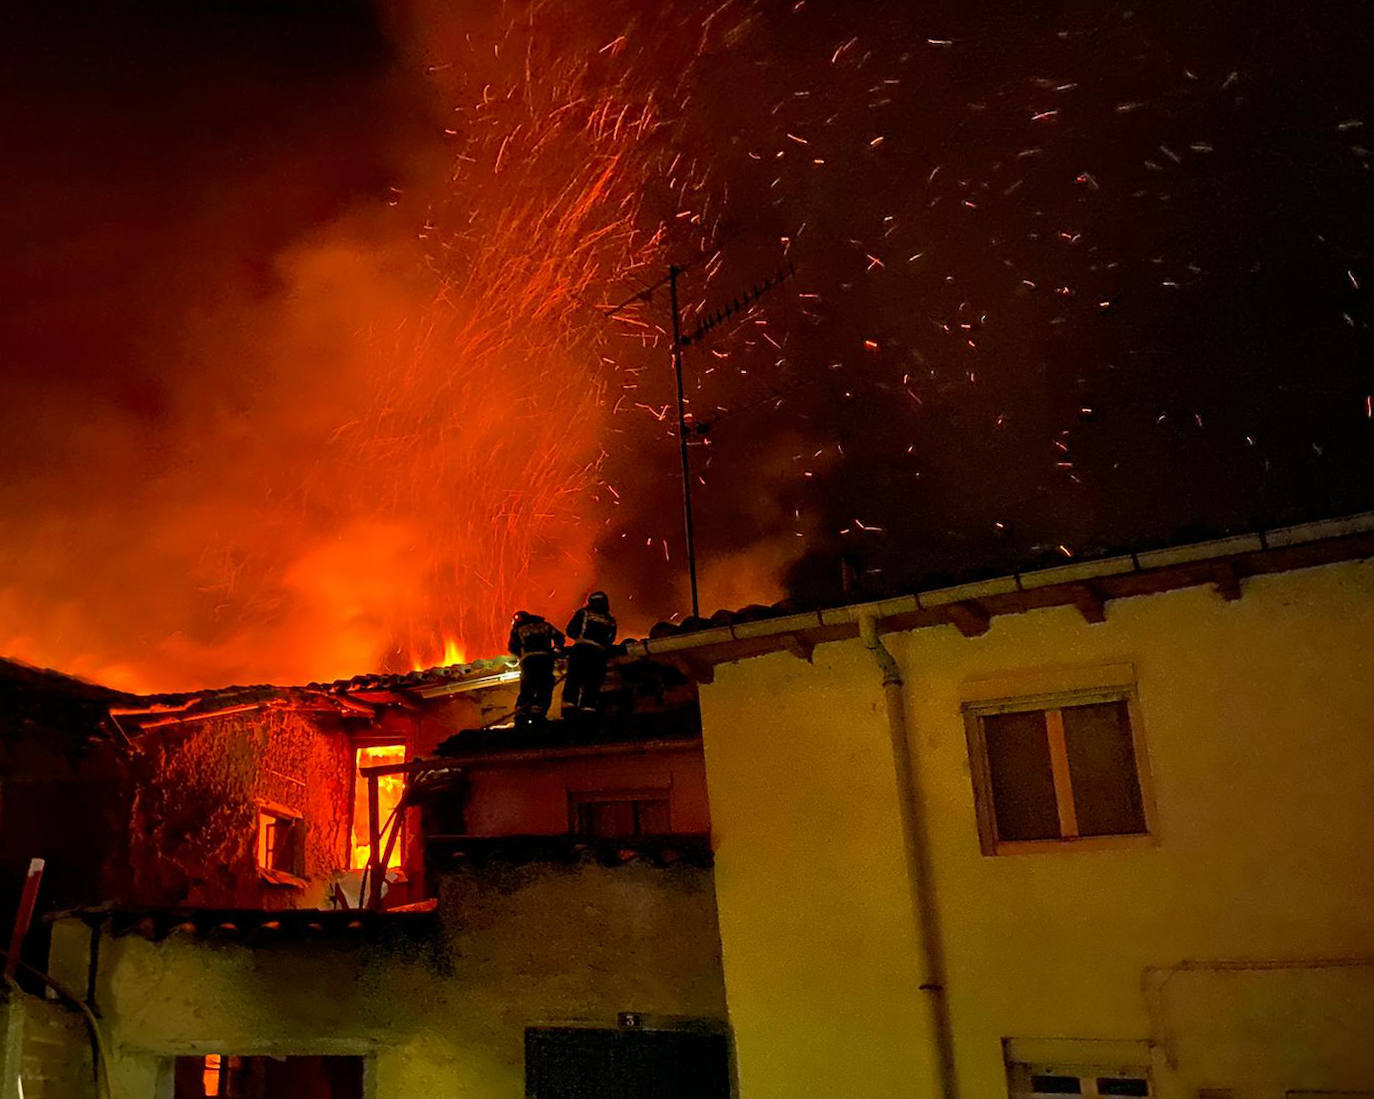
(797, 646)
(969, 616)
(1226, 580)
(1089, 602)
(344, 702)
(696, 668)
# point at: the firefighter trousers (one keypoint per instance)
(586, 673)
(536, 688)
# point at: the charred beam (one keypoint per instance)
(352, 704)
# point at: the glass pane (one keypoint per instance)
(1056, 1085)
(1022, 780)
(606, 818)
(653, 817)
(1122, 1085)
(1106, 789)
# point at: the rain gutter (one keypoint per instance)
(843, 622)
(911, 807)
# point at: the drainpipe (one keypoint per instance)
(916, 844)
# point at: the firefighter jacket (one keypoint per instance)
(534, 636)
(589, 627)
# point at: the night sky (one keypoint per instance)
(298, 302)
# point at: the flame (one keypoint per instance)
(455, 652)
(390, 789)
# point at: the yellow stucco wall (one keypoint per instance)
(1258, 726)
(519, 946)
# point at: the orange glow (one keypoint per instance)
(399, 436)
(209, 1078)
(266, 851)
(389, 791)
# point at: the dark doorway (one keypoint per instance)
(228, 1076)
(584, 1063)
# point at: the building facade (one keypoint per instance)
(547, 909)
(1144, 824)
(1095, 830)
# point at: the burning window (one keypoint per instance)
(389, 791)
(225, 1076)
(218, 1076)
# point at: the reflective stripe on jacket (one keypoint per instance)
(589, 627)
(536, 636)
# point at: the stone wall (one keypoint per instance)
(194, 818)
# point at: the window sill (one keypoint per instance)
(1077, 843)
(280, 878)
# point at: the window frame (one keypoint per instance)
(172, 1064)
(980, 768)
(295, 819)
(357, 743)
(1020, 1074)
(579, 798)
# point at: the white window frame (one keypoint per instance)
(1052, 704)
(1019, 1077)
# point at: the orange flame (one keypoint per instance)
(455, 652)
(390, 789)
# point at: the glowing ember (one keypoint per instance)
(395, 405)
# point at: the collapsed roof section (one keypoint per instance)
(639, 684)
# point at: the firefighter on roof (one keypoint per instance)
(534, 641)
(592, 631)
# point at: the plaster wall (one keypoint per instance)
(516, 946)
(1258, 735)
(532, 797)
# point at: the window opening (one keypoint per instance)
(278, 841)
(565, 1062)
(390, 789)
(213, 1074)
(1037, 1081)
(225, 1076)
(621, 814)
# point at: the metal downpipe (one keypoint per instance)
(916, 846)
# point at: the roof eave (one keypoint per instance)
(1088, 585)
